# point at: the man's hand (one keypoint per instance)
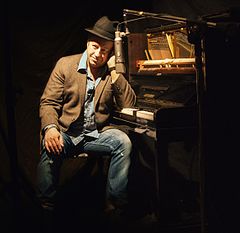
(53, 141)
(111, 66)
(111, 63)
(119, 67)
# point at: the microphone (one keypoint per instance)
(119, 55)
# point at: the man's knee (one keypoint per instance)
(123, 140)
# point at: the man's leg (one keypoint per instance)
(117, 144)
(48, 173)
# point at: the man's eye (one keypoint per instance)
(105, 51)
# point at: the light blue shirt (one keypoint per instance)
(85, 125)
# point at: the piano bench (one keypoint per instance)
(82, 183)
(89, 165)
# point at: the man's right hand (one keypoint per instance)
(53, 141)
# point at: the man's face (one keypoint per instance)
(98, 52)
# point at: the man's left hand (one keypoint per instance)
(111, 63)
(111, 67)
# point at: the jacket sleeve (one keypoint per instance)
(124, 94)
(52, 98)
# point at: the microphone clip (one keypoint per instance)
(119, 34)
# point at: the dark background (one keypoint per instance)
(34, 35)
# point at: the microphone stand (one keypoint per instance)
(195, 31)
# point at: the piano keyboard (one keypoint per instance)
(138, 113)
(146, 112)
(135, 117)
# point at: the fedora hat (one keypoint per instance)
(103, 28)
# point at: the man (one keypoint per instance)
(75, 110)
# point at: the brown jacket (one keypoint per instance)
(63, 98)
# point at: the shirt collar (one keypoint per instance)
(82, 67)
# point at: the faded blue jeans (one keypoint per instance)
(114, 142)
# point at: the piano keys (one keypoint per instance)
(138, 113)
(135, 117)
(162, 117)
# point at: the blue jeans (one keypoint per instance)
(113, 142)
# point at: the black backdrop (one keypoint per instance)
(35, 35)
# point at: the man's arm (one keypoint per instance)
(124, 94)
(52, 98)
(50, 107)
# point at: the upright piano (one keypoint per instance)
(161, 70)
